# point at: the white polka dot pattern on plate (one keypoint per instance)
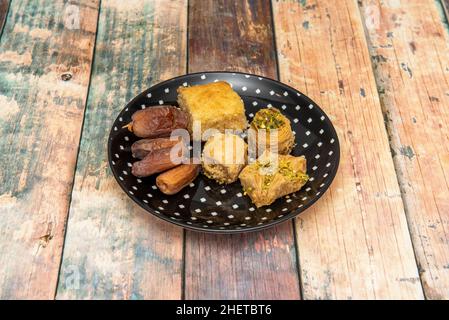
(205, 205)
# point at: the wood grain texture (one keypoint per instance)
(354, 243)
(410, 50)
(238, 37)
(4, 5)
(258, 265)
(114, 249)
(40, 124)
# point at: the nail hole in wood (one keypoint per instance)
(66, 76)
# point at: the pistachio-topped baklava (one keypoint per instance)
(271, 130)
(273, 176)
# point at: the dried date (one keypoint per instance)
(172, 181)
(143, 147)
(158, 121)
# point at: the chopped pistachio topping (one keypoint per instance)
(268, 119)
(284, 168)
(287, 171)
(267, 181)
(247, 190)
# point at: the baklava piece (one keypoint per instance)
(263, 125)
(273, 176)
(224, 156)
(213, 105)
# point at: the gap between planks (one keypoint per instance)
(4, 9)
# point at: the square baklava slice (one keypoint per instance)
(214, 105)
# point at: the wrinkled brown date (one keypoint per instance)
(158, 121)
(158, 161)
(172, 181)
(143, 147)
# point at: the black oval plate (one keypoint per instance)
(206, 205)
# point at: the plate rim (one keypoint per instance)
(293, 214)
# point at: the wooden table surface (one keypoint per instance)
(379, 69)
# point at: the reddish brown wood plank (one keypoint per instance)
(40, 124)
(114, 249)
(237, 35)
(410, 50)
(4, 5)
(354, 243)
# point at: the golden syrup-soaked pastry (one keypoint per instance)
(263, 125)
(273, 176)
(224, 156)
(214, 105)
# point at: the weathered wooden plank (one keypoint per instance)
(237, 35)
(354, 243)
(40, 117)
(410, 51)
(113, 248)
(445, 5)
(4, 5)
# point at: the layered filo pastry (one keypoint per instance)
(271, 130)
(224, 156)
(273, 176)
(213, 106)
